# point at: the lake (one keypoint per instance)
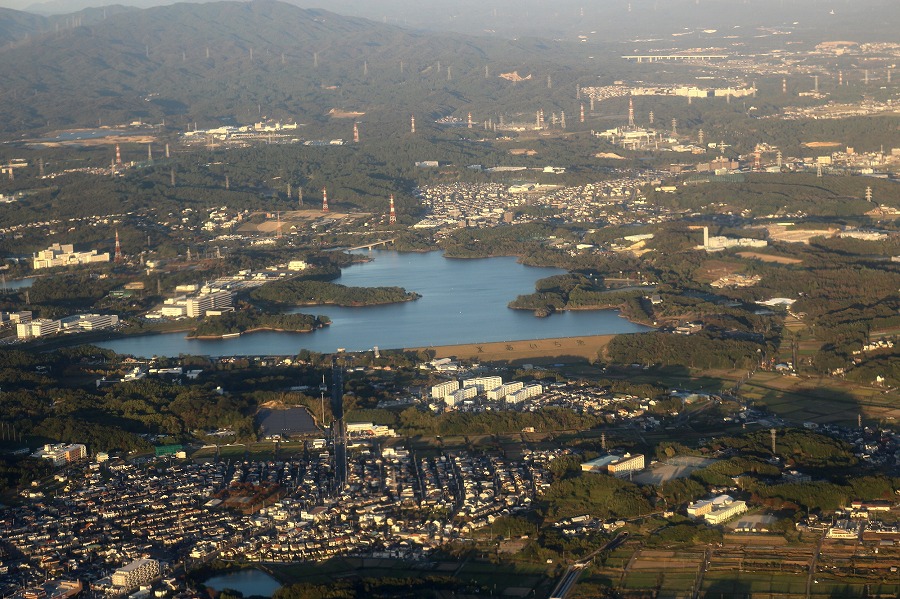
(247, 582)
(463, 301)
(16, 284)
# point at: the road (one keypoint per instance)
(812, 566)
(573, 573)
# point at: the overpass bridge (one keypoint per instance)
(675, 57)
(365, 246)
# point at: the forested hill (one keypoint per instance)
(210, 62)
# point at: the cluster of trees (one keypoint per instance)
(418, 422)
(300, 292)
(600, 496)
(374, 588)
(571, 291)
(699, 350)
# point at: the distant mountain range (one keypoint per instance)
(239, 60)
(611, 19)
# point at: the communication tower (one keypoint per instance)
(631, 113)
(470, 120)
(355, 133)
(118, 156)
(392, 219)
(582, 113)
(412, 124)
(118, 255)
(784, 85)
(324, 200)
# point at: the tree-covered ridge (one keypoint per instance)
(249, 320)
(574, 291)
(302, 292)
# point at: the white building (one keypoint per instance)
(61, 454)
(483, 383)
(78, 322)
(16, 317)
(705, 506)
(65, 255)
(521, 395)
(198, 306)
(625, 464)
(460, 395)
(136, 573)
(442, 390)
(504, 390)
(37, 328)
(725, 513)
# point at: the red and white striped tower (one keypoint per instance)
(355, 133)
(324, 200)
(582, 113)
(118, 255)
(631, 112)
(470, 120)
(392, 219)
(118, 156)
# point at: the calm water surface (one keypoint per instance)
(463, 301)
(247, 582)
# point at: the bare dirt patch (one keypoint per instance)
(769, 258)
(536, 351)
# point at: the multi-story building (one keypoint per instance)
(627, 463)
(483, 383)
(504, 390)
(460, 395)
(65, 255)
(22, 317)
(62, 454)
(83, 322)
(705, 506)
(37, 328)
(198, 306)
(726, 512)
(442, 390)
(136, 573)
(517, 397)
